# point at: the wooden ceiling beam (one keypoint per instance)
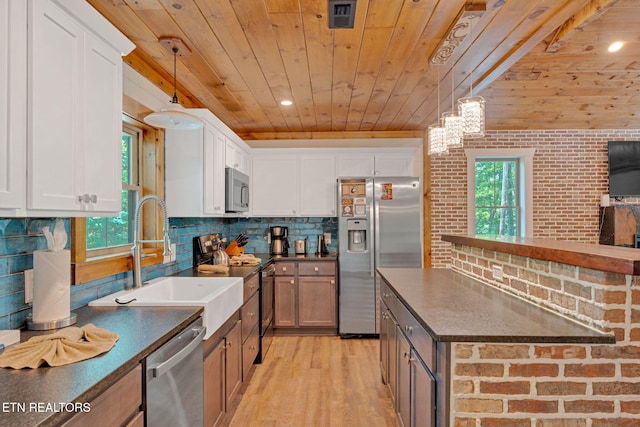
(583, 17)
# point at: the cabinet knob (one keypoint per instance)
(291, 281)
(252, 315)
(284, 268)
(315, 269)
(408, 329)
(333, 282)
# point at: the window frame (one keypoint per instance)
(525, 181)
(137, 132)
(87, 267)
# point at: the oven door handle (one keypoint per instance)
(159, 369)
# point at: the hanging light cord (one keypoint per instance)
(174, 100)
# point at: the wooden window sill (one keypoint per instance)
(97, 268)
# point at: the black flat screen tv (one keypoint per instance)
(624, 168)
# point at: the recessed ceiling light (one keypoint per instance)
(286, 102)
(616, 46)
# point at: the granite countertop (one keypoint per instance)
(246, 271)
(613, 259)
(455, 308)
(142, 330)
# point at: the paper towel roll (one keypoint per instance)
(51, 285)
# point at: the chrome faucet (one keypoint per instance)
(136, 249)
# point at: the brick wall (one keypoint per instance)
(543, 385)
(570, 175)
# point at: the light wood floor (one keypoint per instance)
(317, 382)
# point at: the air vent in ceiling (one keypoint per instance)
(342, 13)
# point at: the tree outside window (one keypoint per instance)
(497, 207)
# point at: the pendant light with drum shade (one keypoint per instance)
(174, 117)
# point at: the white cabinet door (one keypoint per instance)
(317, 185)
(236, 157)
(13, 105)
(101, 143)
(375, 164)
(55, 59)
(74, 116)
(194, 171)
(274, 188)
(184, 173)
(214, 188)
(389, 164)
(356, 164)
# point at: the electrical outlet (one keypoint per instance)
(497, 273)
(327, 238)
(28, 286)
(174, 253)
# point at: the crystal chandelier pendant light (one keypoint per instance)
(452, 129)
(437, 144)
(471, 110)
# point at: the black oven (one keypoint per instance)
(267, 278)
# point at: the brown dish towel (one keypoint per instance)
(69, 345)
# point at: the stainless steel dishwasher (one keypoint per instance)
(174, 384)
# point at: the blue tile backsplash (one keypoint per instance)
(19, 237)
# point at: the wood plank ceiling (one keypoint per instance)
(540, 64)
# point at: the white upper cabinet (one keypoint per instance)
(237, 157)
(274, 184)
(194, 169)
(317, 196)
(13, 105)
(74, 106)
(375, 164)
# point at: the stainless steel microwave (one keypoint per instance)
(236, 191)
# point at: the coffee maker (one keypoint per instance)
(279, 238)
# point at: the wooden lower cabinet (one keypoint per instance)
(317, 301)
(222, 370)
(118, 406)
(306, 297)
(407, 358)
(285, 302)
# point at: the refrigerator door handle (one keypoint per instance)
(374, 226)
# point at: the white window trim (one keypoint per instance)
(525, 155)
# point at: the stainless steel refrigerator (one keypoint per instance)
(379, 225)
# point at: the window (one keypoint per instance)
(109, 235)
(101, 247)
(500, 191)
(497, 200)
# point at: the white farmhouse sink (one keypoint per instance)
(220, 297)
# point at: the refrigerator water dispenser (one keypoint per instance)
(357, 231)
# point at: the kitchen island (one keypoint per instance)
(549, 383)
(430, 315)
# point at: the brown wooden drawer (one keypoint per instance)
(322, 268)
(389, 298)
(250, 316)
(420, 339)
(250, 351)
(251, 286)
(116, 405)
(285, 268)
